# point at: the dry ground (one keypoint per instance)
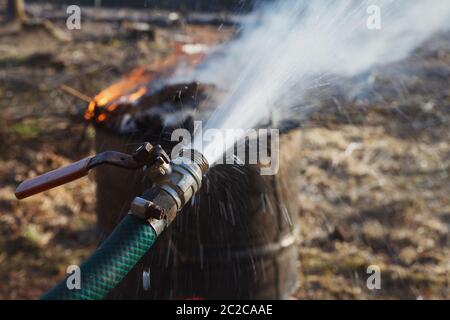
(374, 186)
(375, 183)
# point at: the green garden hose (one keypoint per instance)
(110, 263)
(134, 236)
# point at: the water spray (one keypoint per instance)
(175, 182)
(288, 47)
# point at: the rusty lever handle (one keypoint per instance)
(145, 155)
(53, 179)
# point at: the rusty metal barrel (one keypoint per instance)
(236, 240)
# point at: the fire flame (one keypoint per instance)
(129, 89)
(137, 84)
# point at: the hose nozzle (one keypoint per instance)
(161, 203)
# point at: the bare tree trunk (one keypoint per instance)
(16, 10)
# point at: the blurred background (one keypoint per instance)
(373, 170)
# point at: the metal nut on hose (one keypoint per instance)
(146, 209)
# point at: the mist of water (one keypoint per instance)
(291, 45)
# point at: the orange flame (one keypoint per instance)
(136, 95)
(135, 85)
(129, 89)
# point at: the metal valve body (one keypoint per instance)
(161, 204)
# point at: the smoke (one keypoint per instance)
(290, 46)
